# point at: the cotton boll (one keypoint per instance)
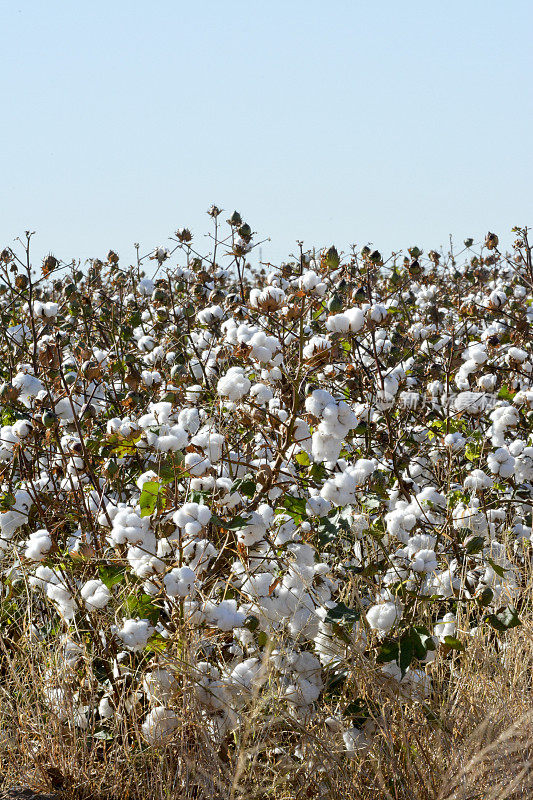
(224, 615)
(338, 323)
(261, 393)
(445, 627)
(234, 385)
(135, 633)
(455, 441)
(501, 462)
(497, 299)
(197, 464)
(38, 545)
(384, 616)
(22, 428)
(159, 725)
(159, 685)
(96, 594)
(179, 582)
(477, 480)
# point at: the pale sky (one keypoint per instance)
(391, 123)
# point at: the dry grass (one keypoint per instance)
(471, 741)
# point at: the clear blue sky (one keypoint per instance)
(334, 122)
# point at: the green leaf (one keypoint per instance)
(327, 531)
(388, 652)
(341, 613)
(454, 643)
(422, 641)
(505, 619)
(232, 525)
(475, 545)
(496, 567)
(506, 394)
(294, 505)
(302, 459)
(111, 574)
(166, 473)
(142, 607)
(245, 486)
(406, 652)
(148, 499)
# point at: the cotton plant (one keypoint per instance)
(276, 474)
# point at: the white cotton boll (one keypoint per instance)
(356, 318)
(377, 313)
(146, 344)
(487, 382)
(317, 401)
(193, 393)
(338, 323)
(129, 527)
(159, 685)
(308, 281)
(196, 464)
(424, 561)
(21, 428)
(145, 287)
(317, 507)
(316, 345)
(234, 384)
(470, 402)
(224, 615)
(159, 725)
(38, 545)
(445, 627)
(517, 354)
(383, 616)
(95, 594)
(477, 480)
(211, 442)
(179, 582)
(261, 393)
(501, 463)
(455, 441)
(355, 740)
(105, 709)
(189, 419)
(135, 633)
(325, 447)
(497, 299)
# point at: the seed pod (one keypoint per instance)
(491, 241)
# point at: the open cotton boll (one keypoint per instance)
(455, 441)
(383, 616)
(224, 615)
(338, 323)
(159, 685)
(129, 527)
(234, 384)
(135, 633)
(477, 479)
(22, 427)
(179, 582)
(45, 310)
(159, 725)
(197, 464)
(261, 393)
(211, 443)
(445, 627)
(38, 545)
(95, 594)
(501, 462)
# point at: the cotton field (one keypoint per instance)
(231, 485)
